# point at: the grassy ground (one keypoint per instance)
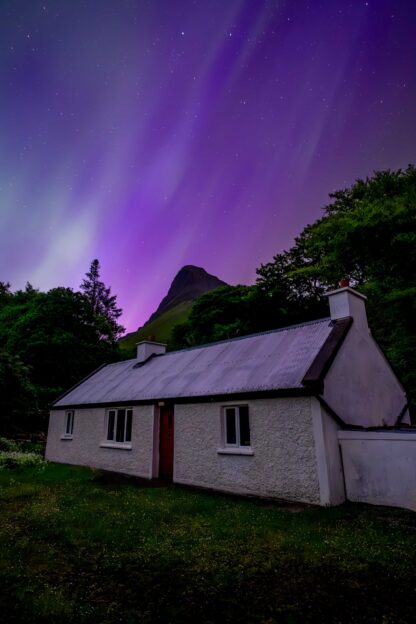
(75, 547)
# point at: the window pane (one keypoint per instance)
(244, 426)
(231, 434)
(69, 423)
(121, 419)
(128, 426)
(110, 430)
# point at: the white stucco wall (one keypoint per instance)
(360, 385)
(380, 467)
(283, 464)
(89, 432)
(294, 448)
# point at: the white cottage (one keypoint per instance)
(257, 415)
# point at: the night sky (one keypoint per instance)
(169, 132)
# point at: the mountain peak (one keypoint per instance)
(188, 284)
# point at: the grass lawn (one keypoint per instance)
(77, 548)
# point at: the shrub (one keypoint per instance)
(21, 446)
(27, 446)
(15, 459)
(8, 445)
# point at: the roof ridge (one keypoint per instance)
(263, 333)
(219, 342)
(120, 362)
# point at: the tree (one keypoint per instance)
(55, 335)
(4, 291)
(232, 311)
(55, 339)
(217, 315)
(17, 395)
(368, 234)
(103, 304)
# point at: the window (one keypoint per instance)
(119, 425)
(236, 426)
(69, 423)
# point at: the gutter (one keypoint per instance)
(211, 398)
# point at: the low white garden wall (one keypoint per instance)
(380, 467)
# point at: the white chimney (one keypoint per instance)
(146, 348)
(346, 301)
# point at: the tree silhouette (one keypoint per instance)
(103, 304)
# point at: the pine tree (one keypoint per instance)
(4, 291)
(103, 304)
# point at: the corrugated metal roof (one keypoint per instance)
(274, 360)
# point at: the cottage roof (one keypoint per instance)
(277, 360)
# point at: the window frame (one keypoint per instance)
(69, 425)
(115, 414)
(235, 447)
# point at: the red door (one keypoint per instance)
(166, 443)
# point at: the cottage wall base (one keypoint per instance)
(282, 460)
(294, 454)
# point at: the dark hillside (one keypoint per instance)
(190, 283)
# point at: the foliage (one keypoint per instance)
(367, 234)
(8, 445)
(20, 454)
(217, 315)
(77, 548)
(21, 446)
(4, 291)
(17, 395)
(10, 460)
(56, 338)
(232, 311)
(103, 304)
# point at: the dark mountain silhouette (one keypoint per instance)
(189, 283)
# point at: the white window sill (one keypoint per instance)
(236, 450)
(124, 446)
(67, 436)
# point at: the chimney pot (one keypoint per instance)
(344, 283)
